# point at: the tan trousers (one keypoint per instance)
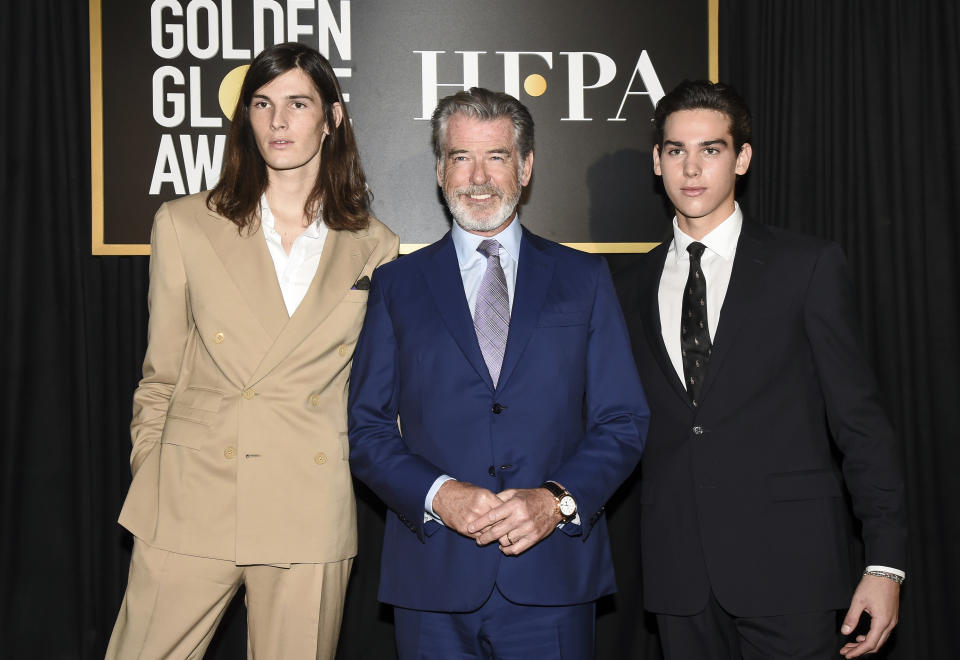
(174, 603)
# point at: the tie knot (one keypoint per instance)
(489, 248)
(696, 250)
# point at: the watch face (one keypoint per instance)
(567, 506)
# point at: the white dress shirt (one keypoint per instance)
(717, 265)
(295, 271)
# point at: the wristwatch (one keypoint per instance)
(566, 505)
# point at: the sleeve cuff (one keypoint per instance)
(887, 569)
(428, 513)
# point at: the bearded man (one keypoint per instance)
(506, 358)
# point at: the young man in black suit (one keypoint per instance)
(746, 339)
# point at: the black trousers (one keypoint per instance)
(715, 634)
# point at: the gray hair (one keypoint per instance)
(485, 105)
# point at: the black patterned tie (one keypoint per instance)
(694, 333)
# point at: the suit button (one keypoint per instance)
(249, 394)
(230, 452)
(342, 350)
(491, 471)
(218, 338)
(497, 408)
(697, 430)
(315, 400)
(320, 458)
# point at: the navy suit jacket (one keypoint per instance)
(568, 407)
(744, 495)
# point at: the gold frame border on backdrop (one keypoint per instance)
(99, 247)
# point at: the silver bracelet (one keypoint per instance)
(884, 574)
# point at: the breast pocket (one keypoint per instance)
(560, 318)
(356, 296)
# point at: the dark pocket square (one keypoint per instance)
(363, 284)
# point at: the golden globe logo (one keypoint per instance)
(205, 30)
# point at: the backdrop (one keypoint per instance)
(168, 72)
(856, 138)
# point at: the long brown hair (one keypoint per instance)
(340, 191)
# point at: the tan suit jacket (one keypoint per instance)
(239, 423)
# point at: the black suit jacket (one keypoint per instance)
(745, 495)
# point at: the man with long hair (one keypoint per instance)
(257, 294)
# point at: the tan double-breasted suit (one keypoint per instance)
(239, 424)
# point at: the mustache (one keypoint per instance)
(485, 189)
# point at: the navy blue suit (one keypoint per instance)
(568, 407)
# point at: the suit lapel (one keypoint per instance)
(343, 258)
(534, 274)
(650, 304)
(442, 274)
(247, 260)
(746, 281)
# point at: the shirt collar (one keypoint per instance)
(466, 243)
(314, 230)
(722, 240)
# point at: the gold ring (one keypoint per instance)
(509, 540)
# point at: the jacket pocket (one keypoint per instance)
(196, 404)
(803, 485)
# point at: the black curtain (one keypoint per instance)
(856, 139)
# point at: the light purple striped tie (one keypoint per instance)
(491, 316)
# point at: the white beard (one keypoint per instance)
(465, 218)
